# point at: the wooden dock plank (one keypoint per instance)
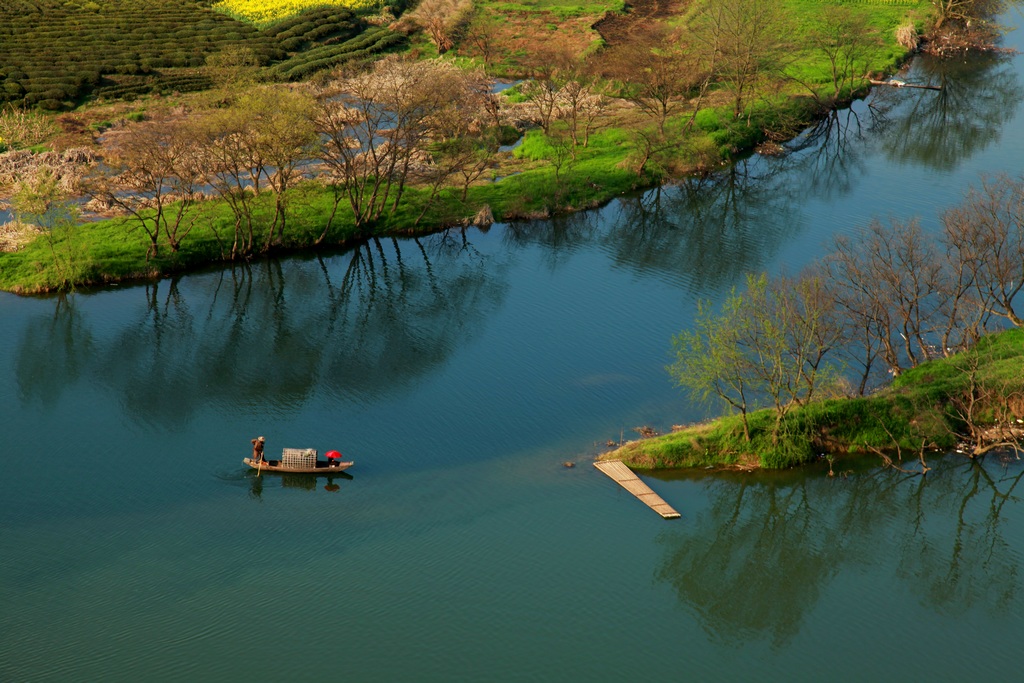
(625, 477)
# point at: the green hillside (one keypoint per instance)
(56, 54)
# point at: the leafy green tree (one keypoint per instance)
(710, 363)
(40, 201)
(788, 333)
(771, 343)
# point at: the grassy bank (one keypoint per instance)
(929, 407)
(526, 184)
(115, 249)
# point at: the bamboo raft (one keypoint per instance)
(629, 481)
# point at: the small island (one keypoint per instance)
(898, 343)
(971, 403)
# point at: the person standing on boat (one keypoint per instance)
(257, 448)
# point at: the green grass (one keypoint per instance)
(882, 16)
(915, 407)
(115, 249)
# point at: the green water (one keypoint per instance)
(459, 372)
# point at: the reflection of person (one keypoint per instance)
(257, 448)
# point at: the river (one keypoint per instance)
(460, 371)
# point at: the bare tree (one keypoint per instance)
(985, 235)
(284, 135)
(471, 158)
(156, 171)
(441, 20)
(666, 76)
(543, 93)
(843, 37)
(563, 155)
(584, 100)
(564, 88)
(965, 11)
(235, 168)
(746, 39)
(648, 145)
(856, 311)
(815, 331)
(481, 35)
(464, 155)
(889, 285)
(385, 122)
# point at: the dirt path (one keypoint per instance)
(637, 22)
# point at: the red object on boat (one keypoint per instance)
(332, 455)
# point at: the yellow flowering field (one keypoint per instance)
(268, 11)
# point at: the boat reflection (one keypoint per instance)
(305, 482)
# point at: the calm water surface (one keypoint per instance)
(459, 371)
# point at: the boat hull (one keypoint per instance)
(276, 466)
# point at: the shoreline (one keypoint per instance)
(534, 193)
(497, 202)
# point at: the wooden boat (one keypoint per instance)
(299, 461)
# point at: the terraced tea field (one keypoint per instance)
(56, 53)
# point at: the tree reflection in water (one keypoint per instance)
(958, 559)
(560, 236)
(274, 332)
(755, 564)
(829, 157)
(54, 352)
(706, 232)
(709, 231)
(941, 129)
